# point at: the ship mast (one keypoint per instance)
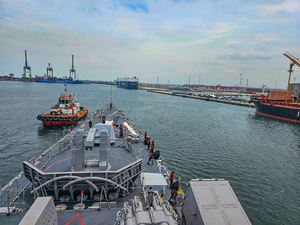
(294, 61)
(66, 89)
(110, 95)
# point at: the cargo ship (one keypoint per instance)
(58, 80)
(279, 104)
(65, 112)
(129, 83)
(274, 105)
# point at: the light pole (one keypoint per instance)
(275, 84)
(189, 80)
(240, 83)
(294, 79)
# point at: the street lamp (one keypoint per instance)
(189, 80)
(240, 83)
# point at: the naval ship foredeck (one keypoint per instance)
(54, 172)
(108, 184)
(118, 158)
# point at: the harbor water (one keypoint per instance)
(260, 157)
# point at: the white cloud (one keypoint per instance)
(282, 20)
(263, 37)
(286, 6)
(190, 71)
(234, 42)
(223, 27)
(230, 71)
(169, 27)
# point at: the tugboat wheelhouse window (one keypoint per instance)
(64, 101)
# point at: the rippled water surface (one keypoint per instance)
(260, 157)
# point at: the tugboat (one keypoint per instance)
(65, 112)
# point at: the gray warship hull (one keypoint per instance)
(78, 181)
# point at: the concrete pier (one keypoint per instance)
(168, 92)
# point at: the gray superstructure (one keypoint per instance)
(98, 176)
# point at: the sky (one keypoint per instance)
(213, 41)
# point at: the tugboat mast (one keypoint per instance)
(66, 88)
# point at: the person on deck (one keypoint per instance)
(121, 130)
(155, 196)
(103, 119)
(173, 196)
(145, 135)
(159, 166)
(90, 123)
(171, 178)
(152, 146)
(161, 197)
(148, 142)
(167, 181)
(150, 158)
(150, 195)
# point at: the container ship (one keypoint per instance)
(279, 104)
(58, 80)
(129, 83)
(51, 79)
(65, 112)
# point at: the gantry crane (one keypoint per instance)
(294, 61)
(26, 67)
(72, 70)
(49, 68)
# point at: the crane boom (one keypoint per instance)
(292, 58)
(294, 61)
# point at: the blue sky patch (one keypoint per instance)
(140, 8)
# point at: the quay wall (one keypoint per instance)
(168, 92)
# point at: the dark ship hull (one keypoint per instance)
(281, 112)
